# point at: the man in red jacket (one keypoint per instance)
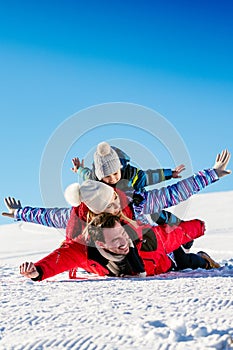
(119, 249)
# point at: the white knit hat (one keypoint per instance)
(96, 195)
(106, 160)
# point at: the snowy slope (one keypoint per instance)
(185, 310)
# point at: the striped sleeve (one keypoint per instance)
(158, 199)
(51, 217)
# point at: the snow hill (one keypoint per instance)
(178, 310)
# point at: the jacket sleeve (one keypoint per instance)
(139, 179)
(85, 173)
(156, 200)
(158, 175)
(68, 256)
(51, 217)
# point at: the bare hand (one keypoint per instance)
(28, 270)
(12, 205)
(76, 164)
(176, 172)
(221, 163)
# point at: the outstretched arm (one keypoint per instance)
(156, 200)
(69, 255)
(152, 177)
(51, 217)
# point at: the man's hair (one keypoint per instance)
(102, 221)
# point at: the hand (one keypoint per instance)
(76, 163)
(28, 270)
(12, 205)
(176, 172)
(221, 163)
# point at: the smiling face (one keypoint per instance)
(112, 179)
(116, 240)
(114, 207)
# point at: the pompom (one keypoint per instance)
(103, 149)
(72, 194)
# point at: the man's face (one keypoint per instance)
(116, 240)
(114, 206)
(112, 179)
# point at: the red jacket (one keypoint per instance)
(153, 245)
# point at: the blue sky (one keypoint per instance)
(60, 57)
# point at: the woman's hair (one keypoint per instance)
(96, 223)
(103, 221)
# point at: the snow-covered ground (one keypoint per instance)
(185, 310)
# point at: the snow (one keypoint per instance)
(177, 310)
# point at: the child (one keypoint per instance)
(112, 165)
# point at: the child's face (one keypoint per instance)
(112, 179)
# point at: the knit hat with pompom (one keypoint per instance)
(106, 160)
(96, 195)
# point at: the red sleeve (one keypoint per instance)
(173, 237)
(68, 256)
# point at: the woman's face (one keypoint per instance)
(114, 206)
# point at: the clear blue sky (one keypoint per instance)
(59, 57)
